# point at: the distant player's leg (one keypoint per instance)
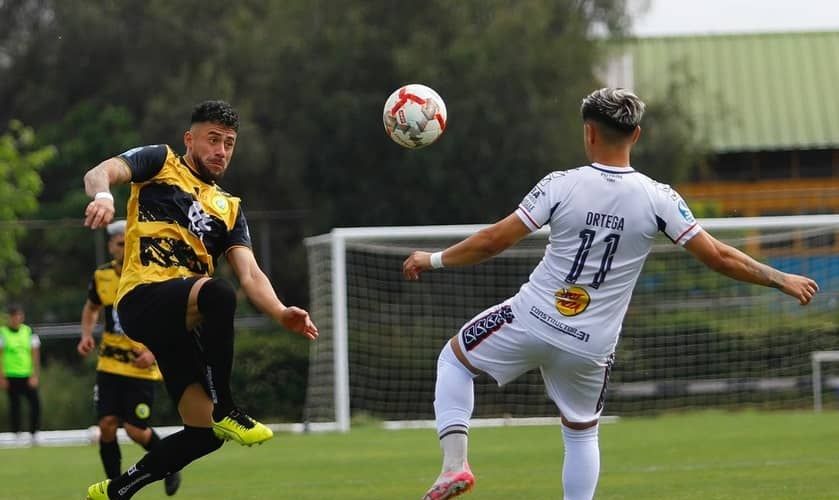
(109, 450)
(577, 385)
(454, 401)
(14, 390)
(215, 302)
(106, 399)
(34, 410)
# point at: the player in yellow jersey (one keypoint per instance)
(179, 223)
(126, 372)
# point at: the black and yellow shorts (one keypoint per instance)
(131, 399)
(155, 315)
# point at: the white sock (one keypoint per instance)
(454, 400)
(454, 446)
(581, 467)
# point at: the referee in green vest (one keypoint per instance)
(20, 365)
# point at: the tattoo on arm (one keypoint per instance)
(772, 276)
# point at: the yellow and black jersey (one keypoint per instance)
(178, 224)
(116, 351)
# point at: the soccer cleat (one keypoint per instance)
(171, 483)
(98, 491)
(451, 484)
(238, 426)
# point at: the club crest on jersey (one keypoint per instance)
(221, 204)
(142, 411)
(571, 301)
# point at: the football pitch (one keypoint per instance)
(704, 455)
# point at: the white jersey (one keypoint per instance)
(603, 222)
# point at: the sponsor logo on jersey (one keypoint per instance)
(685, 211)
(142, 411)
(559, 325)
(571, 301)
(477, 331)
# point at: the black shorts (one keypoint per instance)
(155, 314)
(131, 399)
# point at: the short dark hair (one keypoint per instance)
(618, 109)
(218, 112)
(14, 308)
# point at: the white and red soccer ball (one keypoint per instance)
(414, 116)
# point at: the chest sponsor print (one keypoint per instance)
(571, 301)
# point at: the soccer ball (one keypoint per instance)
(414, 116)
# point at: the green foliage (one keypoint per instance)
(269, 375)
(20, 184)
(671, 144)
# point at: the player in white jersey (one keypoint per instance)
(566, 319)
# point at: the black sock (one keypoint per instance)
(111, 458)
(217, 304)
(168, 456)
(153, 440)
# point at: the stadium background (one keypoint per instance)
(742, 124)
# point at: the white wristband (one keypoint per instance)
(437, 260)
(103, 194)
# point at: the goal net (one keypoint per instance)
(691, 339)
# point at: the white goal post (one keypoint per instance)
(705, 338)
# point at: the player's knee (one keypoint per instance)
(108, 427)
(137, 434)
(579, 426)
(217, 298)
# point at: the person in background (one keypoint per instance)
(20, 366)
(126, 372)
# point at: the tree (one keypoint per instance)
(20, 185)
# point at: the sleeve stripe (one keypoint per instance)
(686, 231)
(527, 219)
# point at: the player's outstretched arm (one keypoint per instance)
(484, 244)
(733, 263)
(259, 290)
(97, 184)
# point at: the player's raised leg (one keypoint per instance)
(212, 302)
(172, 453)
(454, 401)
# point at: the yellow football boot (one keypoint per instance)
(98, 491)
(238, 426)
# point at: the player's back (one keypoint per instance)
(603, 222)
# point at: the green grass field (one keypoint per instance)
(706, 456)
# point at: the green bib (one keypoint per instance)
(17, 351)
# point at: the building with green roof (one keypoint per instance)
(767, 106)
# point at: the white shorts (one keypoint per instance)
(494, 342)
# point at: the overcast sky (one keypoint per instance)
(669, 17)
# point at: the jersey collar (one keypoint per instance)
(612, 170)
